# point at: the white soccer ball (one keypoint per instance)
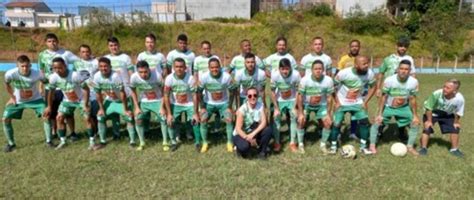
(348, 151)
(398, 149)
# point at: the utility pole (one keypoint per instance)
(460, 7)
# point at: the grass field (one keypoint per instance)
(118, 172)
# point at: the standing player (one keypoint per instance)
(153, 57)
(350, 83)
(181, 52)
(22, 87)
(250, 76)
(86, 67)
(201, 63)
(272, 62)
(45, 64)
(399, 101)
(446, 107)
(180, 97)
(219, 88)
(315, 94)
(317, 46)
(146, 86)
(112, 99)
(76, 95)
(284, 85)
(238, 62)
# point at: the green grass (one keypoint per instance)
(118, 172)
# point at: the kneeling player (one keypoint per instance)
(398, 101)
(219, 89)
(22, 86)
(446, 107)
(146, 88)
(315, 95)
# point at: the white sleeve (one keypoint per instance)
(460, 110)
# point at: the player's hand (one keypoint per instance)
(428, 124)
(128, 113)
(196, 118)
(253, 142)
(100, 112)
(163, 113)
(137, 112)
(11, 101)
(202, 111)
(457, 125)
(415, 120)
(276, 112)
(327, 121)
(378, 93)
(169, 120)
(365, 105)
(47, 112)
(301, 119)
(87, 108)
(337, 105)
(379, 119)
(230, 111)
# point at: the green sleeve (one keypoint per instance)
(383, 67)
(430, 103)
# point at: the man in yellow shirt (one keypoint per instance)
(348, 60)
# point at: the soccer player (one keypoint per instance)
(201, 63)
(180, 97)
(181, 52)
(347, 60)
(446, 107)
(317, 44)
(250, 76)
(146, 86)
(76, 95)
(45, 65)
(121, 63)
(156, 60)
(112, 99)
(315, 94)
(350, 83)
(22, 86)
(272, 62)
(86, 67)
(390, 64)
(251, 128)
(219, 88)
(284, 85)
(398, 101)
(238, 62)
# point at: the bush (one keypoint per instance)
(374, 23)
(321, 10)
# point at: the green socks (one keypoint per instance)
(131, 132)
(47, 130)
(374, 129)
(325, 135)
(90, 133)
(164, 132)
(276, 131)
(229, 129)
(172, 134)
(203, 129)
(197, 134)
(62, 135)
(412, 133)
(141, 133)
(8, 130)
(300, 133)
(364, 135)
(293, 131)
(102, 132)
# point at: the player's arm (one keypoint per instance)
(10, 92)
(166, 102)
(429, 105)
(273, 97)
(196, 104)
(329, 107)
(370, 94)
(413, 107)
(239, 122)
(136, 105)
(100, 100)
(86, 91)
(299, 103)
(49, 99)
(123, 97)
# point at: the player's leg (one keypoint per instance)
(139, 124)
(11, 112)
(203, 127)
(66, 109)
(326, 132)
(336, 128)
(404, 118)
(425, 136)
(363, 126)
(300, 127)
(446, 124)
(39, 106)
(276, 125)
(374, 129)
(193, 125)
(90, 131)
(229, 126)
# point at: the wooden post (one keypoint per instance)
(437, 64)
(455, 63)
(470, 65)
(371, 62)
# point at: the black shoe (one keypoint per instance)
(174, 147)
(50, 144)
(99, 146)
(133, 144)
(262, 156)
(197, 147)
(74, 137)
(9, 148)
(116, 137)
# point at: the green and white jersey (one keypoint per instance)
(181, 90)
(45, 59)
(238, 63)
(285, 88)
(108, 86)
(437, 101)
(187, 56)
(148, 90)
(273, 61)
(315, 91)
(390, 64)
(216, 88)
(308, 59)
(250, 115)
(71, 86)
(351, 86)
(244, 80)
(25, 88)
(86, 70)
(156, 61)
(399, 92)
(201, 64)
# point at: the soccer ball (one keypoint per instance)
(398, 149)
(348, 151)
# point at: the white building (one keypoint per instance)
(31, 14)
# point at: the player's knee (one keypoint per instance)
(60, 118)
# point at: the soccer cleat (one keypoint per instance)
(204, 148)
(323, 149)
(293, 147)
(178, 140)
(91, 147)
(174, 147)
(332, 150)
(423, 151)
(301, 149)
(74, 137)
(353, 136)
(413, 151)
(197, 147)
(116, 137)
(276, 147)
(50, 144)
(230, 147)
(9, 148)
(365, 151)
(133, 144)
(166, 147)
(141, 147)
(457, 153)
(189, 136)
(61, 145)
(99, 146)
(373, 149)
(262, 156)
